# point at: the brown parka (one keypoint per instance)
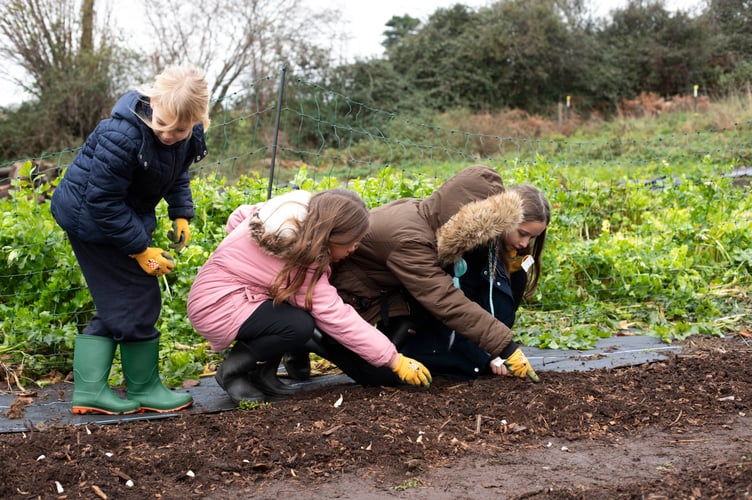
(411, 242)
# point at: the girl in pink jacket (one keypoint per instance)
(266, 287)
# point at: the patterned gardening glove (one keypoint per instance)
(179, 235)
(518, 364)
(412, 372)
(155, 261)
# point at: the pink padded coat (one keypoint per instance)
(235, 280)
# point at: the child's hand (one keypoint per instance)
(516, 364)
(179, 235)
(155, 261)
(519, 366)
(411, 371)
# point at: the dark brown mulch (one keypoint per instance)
(673, 429)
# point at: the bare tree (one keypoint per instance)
(38, 35)
(71, 65)
(240, 41)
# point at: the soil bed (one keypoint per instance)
(673, 429)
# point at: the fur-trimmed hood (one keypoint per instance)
(476, 224)
(276, 224)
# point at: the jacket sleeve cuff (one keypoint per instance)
(509, 349)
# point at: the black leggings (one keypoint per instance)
(273, 330)
(353, 365)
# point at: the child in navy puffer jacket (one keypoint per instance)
(106, 204)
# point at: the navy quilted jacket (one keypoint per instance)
(110, 191)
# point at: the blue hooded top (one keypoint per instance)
(110, 191)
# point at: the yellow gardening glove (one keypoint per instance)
(155, 261)
(179, 235)
(412, 372)
(518, 364)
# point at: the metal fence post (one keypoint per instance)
(280, 94)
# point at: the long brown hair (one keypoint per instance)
(535, 208)
(336, 216)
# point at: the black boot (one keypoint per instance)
(265, 378)
(316, 344)
(233, 374)
(297, 364)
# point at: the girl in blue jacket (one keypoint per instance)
(106, 204)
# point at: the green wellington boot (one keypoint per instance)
(141, 372)
(92, 360)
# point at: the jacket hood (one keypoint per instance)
(470, 184)
(130, 105)
(275, 225)
(476, 224)
(282, 213)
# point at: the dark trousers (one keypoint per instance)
(463, 359)
(127, 300)
(353, 365)
(455, 355)
(273, 330)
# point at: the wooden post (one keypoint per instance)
(696, 87)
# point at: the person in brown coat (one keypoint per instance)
(402, 275)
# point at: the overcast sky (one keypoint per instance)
(367, 19)
(363, 23)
